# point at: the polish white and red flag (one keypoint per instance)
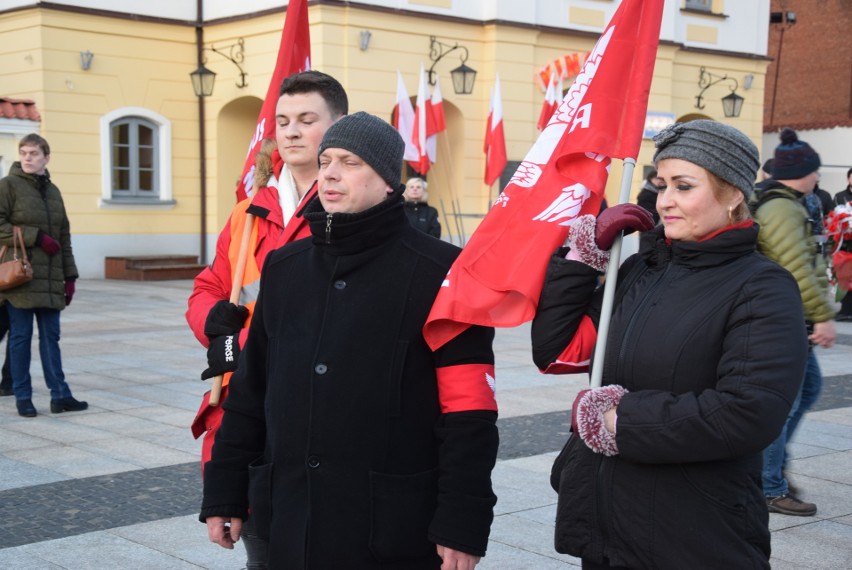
(424, 125)
(549, 105)
(497, 279)
(294, 56)
(403, 119)
(495, 139)
(439, 121)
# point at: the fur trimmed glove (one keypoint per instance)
(591, 238)
(587, 417)
(581, 241)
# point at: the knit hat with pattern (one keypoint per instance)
(794, 159)
(721, 149)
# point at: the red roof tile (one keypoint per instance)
(18, 109)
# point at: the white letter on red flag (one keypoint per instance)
(294, 56)
(497, 278)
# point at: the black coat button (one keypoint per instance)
(313, 462)
(340, 284)
(320, 368)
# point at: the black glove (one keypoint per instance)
(222, 356)
(225, 318)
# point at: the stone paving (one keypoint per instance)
(118, 486)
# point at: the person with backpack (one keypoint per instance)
(786, 237)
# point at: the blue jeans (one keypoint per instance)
(20, 341)
(775, 456)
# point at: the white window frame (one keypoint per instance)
(699, 5)
(164, 160)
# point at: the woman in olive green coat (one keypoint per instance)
(30, 201)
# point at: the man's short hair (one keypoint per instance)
(33, 139)
(327, 86)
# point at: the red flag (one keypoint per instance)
(294, 56)
(548, 107)
(495, 140)
(424, 125)
(403, 118)
(497, 278)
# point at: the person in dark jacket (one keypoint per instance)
(30, 201)
(421, 215)
(355, 445)
(787, 237)
(845, 196)
(705, 354)
(647, 197)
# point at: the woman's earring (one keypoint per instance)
(731, 215)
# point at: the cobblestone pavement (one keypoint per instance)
(118, 486)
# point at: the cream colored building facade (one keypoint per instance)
(139, 75)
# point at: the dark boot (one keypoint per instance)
(26, 408)
(68, 404)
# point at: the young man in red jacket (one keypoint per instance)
(309, 103)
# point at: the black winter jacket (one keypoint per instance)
(336, 399)
(843, 197)
(423, 217)
(34, 207)
(709, 339)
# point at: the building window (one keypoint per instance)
(133, 144)
(700, 5)
(135, 159)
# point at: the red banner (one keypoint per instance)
(497, 279)
(294, 56)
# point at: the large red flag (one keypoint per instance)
(495, 140)
(497, 278)
(294, 55)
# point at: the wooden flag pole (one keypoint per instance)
(236, 288)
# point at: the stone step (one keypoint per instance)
(152, 267)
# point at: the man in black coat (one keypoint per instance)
(367, 450)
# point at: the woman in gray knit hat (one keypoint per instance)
(705, 352)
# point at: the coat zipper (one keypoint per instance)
(604, 477)
(50, 233)
(328, 228)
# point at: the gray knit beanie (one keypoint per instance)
(721, 149)
(373, 140)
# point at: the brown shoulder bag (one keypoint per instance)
(17, 270)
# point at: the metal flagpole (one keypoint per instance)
(611, 280)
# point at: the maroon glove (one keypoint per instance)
(587, 419)
(48, 244)
(625, 218)
(69, 291)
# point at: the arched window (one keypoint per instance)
(133, 150)
(135, 158)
